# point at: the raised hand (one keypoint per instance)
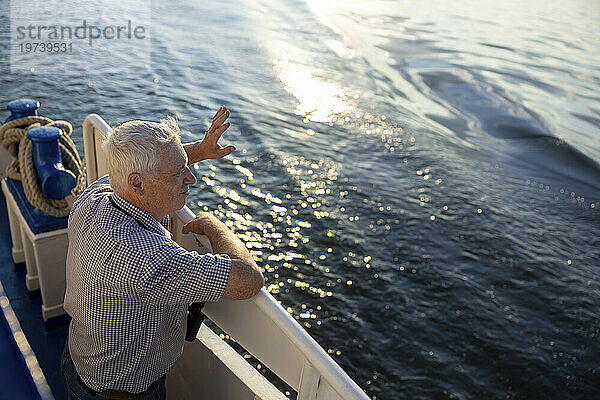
(209, 147)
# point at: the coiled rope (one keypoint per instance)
(13, 136)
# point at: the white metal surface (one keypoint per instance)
(94, 128)
(45, 257)
(259, 324)
(18, 253)
(211, 369)
(21, 247)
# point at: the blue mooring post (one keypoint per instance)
(22, 108)
(57, 181)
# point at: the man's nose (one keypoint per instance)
(190, 179)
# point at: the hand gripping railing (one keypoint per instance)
(259, 324)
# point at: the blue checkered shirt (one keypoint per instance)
(128, 289)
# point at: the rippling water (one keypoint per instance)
(421, 182)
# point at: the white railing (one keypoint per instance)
(259, 324)
(94, 128)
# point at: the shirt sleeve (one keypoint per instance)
(184, 277)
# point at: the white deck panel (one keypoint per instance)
(210, 369)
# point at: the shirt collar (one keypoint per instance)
(145, 219)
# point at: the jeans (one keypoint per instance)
(76, 392)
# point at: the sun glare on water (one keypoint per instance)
(318, 100)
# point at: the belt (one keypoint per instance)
(116, 394)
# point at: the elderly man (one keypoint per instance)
(128, 284)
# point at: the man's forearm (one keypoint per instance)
(245, 278)
(224, 241)
(194, 152)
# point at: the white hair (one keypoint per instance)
(135, 146)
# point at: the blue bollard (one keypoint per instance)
(57, 181)
(22, 108)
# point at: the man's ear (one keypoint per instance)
(134, 182)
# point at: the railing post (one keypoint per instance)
(309, 382)
(94, 128)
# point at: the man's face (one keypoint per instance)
(168, 188)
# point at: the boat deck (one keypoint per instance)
(46, 344)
